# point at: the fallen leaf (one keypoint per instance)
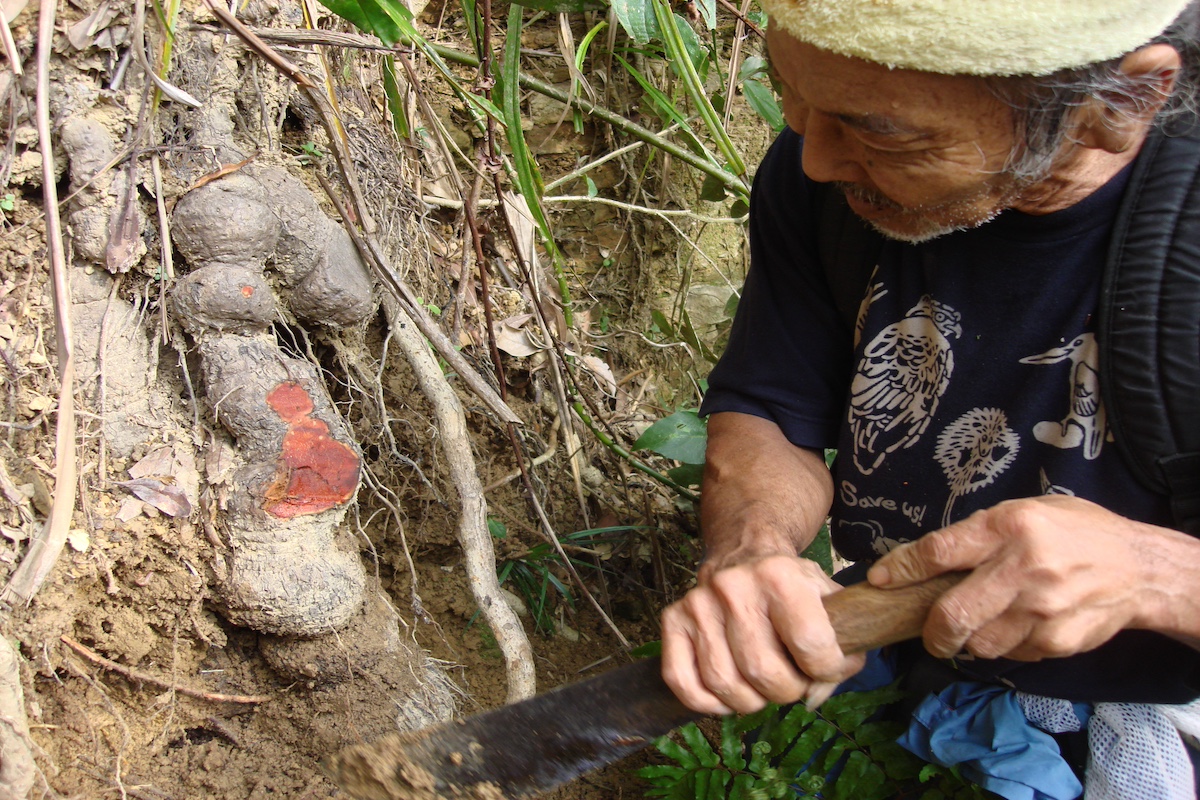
(130, 509)
(513, 338)
(602, 373)
(125, 246)
(160, 461)
(83, 33)
(170, 500)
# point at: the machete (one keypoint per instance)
(540, 743)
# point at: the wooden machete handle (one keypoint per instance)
(865, 617)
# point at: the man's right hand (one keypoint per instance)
(753, 633)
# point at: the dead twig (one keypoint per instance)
(137, 676)
(44, 551)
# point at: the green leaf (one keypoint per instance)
(703, 778)
(687, 474)
(739, 209)
(860, 780)
(740, 790)
(751, 67)
(851, 709)
(496, 528)
(733, 752)
(717, 783)
(749, 722)
(676, 752)
(655, 771)
(471, 17)
(762, 101)
(872, 733)
(637, 18)
(759, 753)
(586, 43)
(731, 305)
(807, 746)
(797, 718)
(696, 51)
(713, 189)
(682, 436)
(899, 764)
(350, 11)
(929, 772)
(662, 323)
(821, 550)
(395, 101)
(647, 650)
(688, 333)
(699, 744)
(592, 191)
(708, 13)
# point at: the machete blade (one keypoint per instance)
(538, 744)
(522, 749)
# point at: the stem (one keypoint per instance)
(683, 65)
(608, 442)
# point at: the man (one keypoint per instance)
(990, 142)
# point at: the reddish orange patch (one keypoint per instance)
(247, 291)
(315, 471)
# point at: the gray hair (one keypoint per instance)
(1042, 105)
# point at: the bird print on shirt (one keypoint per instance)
(1086, 423)
(901, 377)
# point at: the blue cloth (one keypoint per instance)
(981, 729)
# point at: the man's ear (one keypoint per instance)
(1117, 123)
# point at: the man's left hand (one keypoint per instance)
(1051, 577)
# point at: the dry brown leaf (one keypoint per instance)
(513, 338)
(602, 373)
(83, 33)
(160, 461)
(170, 500)
(125, 245)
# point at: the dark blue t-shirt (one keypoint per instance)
(972, 377)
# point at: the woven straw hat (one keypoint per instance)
(976, 37)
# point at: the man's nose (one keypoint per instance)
(827, 155)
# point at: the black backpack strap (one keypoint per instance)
(1149, 323)
(848, 249)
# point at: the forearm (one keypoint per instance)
(762, 495)
(1172, 587)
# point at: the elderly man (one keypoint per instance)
(991, 143)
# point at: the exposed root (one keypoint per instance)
(45, 550)
(137, 676)
(478, 552)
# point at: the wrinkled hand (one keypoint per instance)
(754, 633)
(1052, 576)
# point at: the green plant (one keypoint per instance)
(310, 153)
(8, 203)
(682, 437)
(833, 753)
(533, 573)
